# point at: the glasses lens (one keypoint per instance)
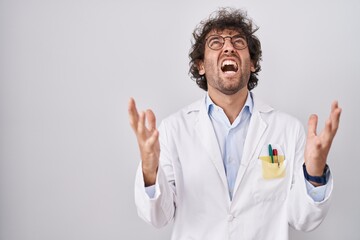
(215, 42)
(239, 42)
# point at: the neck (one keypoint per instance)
(231, 104)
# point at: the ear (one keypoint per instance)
(201, 67)
(252, 68)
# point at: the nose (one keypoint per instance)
(228, 46)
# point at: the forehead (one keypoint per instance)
(223, 32)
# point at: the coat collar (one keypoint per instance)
(259, 105)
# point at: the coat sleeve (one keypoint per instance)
(304, 213)
(159, 210)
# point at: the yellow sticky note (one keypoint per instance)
(275, 167)
(273, 170)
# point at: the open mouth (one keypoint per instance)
(229, 66)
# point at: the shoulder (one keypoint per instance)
(285, 119)
(188, 115)
(274, 116)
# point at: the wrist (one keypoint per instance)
(314, 170)
(149, 177)
(316, 180)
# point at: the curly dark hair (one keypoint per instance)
(231, 19)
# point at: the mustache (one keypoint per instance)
(230, 54)
(233, 55)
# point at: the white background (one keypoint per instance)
(67, 69)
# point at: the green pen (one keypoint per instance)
(271, 153)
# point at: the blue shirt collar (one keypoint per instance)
(248, 103)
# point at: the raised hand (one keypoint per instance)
(144, 126)
(318, 145)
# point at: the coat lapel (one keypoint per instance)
(254, 135)
(205, 132)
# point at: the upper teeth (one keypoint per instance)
(229, 62)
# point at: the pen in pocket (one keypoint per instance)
(277, 157)
(271, 153)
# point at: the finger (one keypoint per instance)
(133, 114)
(312, 125)
(334, 105)
(327, 132)
(335, 116)
(151, 119)
(332, 123)
(141, 126)
(153, 139)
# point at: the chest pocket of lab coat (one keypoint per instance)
(270, 174)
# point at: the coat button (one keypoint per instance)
(230, 218)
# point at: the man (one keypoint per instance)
(230, 166)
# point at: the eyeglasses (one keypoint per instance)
(216, 42)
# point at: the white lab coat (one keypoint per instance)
(191, 186)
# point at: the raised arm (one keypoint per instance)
(318, 145)
(144, 126)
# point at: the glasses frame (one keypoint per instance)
(223, 41)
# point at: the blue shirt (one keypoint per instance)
(230, 136)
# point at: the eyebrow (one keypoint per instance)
(239, 34)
